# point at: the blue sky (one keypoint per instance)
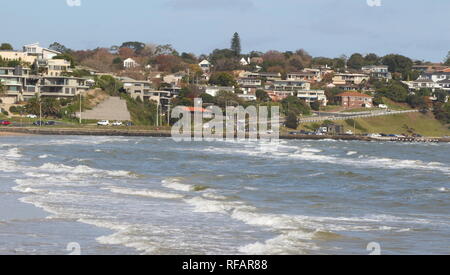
(417, 28)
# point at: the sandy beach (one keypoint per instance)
(11, 134)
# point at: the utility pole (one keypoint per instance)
(40, 111)
(80, 108)
(157, 113)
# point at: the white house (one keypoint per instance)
(245, 62)
(205, 65)
(41, 53)
(130, 63)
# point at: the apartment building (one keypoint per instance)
(143, 90)
(349, 78)
(291, 85)
(22, 85)
(313, 95)
(377, 71)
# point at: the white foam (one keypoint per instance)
(351, 153)
(174, 184)
(144, 193)
(13, 153)
(294, 242)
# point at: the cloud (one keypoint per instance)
(211, 5)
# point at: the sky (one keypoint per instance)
(419, 29)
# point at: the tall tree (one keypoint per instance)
(59, 48)
(447, 61)
(6, 47)
(236, 44)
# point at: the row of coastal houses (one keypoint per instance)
(300, 84)
(37, 71)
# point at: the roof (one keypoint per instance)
(196, 109)
(353, 94)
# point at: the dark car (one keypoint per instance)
(129, 124)
(50, 123)
(39, 123)
(5, 122)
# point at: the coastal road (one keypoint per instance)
(343, 116)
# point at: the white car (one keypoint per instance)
(375, 135)
(103, 123)
(31, 116)
(117, 123)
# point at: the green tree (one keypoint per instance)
(236, 44)
(226, 98)
(59, 48)
(6, 47)
(447, 59)
(136, 46)
(356, 61)
(398, 64)
(394, 90)
(109, 84)
(315, 105)
(292, 120)
(222, 79)
(296, 105)
(2, 89)
(262, 95)
(51, 107)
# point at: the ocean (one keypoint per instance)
(117, 195)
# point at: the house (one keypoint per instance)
(144, 91)
(174, 79)
(244, 62)
(214, 90)
(313, 95)
(205, 65)
(40, 52)
(55, 67)
(377, 71)
(303, 76)
(17, 56)
(129, 63)
(249, 84)
(334, 129)
(354, 100)
(430, 80)
(291, 85)
(205, 113)
(349, 78)
(247, 97)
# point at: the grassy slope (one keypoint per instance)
(418, 123)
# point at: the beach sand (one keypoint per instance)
(12, 134)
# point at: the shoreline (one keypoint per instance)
(29, 131)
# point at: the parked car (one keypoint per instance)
(103, 123)
(31, 116)
(50, 123)
(117, 123)
(39, 123)
(5, 122)
(129, 124)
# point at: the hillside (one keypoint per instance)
(423, 124)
